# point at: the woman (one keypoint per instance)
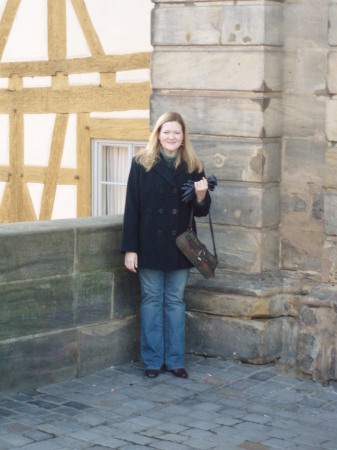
(154, 216)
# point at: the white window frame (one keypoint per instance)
(97, 149)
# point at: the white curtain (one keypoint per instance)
(115, 170)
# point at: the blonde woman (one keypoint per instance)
(154, 216)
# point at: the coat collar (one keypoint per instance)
(168, 174)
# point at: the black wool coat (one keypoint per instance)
(155, 214)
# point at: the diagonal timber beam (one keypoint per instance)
(6, 22)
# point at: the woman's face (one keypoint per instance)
(171, 137)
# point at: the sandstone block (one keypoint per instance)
(231, 305)
(301, 249)
(252, 24)
(223, 116)
(332, 68)
(125, 294)
(333, 23)
(261, 284)
(331, 168)
(253, 341)
(29, 362)
(33, 250)
(108, 344)
(248, 250)
(331, 119)
(217, 70)
(330, 213)
(246, 205)
(329, 266)
(235, 159)
(43, 305)
(304, 115)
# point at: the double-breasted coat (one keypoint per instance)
(155, 214)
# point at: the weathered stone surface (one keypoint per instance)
(254, 341)
(301, 249)
(304, 70)
(329, 264)
(108, 344)
(246, 205)
(256, 116)
(214, 25)
(230, 159)
(217, 70)
(263, 284)
(333, 23)
(230, 305)
(35, 360)
(252, 24)
(125, 294)
(331, 119)
(330, 213)
(248, 250)
(304, 115)
(331, 168)
(332, 68)
(317, 344)
(42, 305)
(33, 250)
(305, 23)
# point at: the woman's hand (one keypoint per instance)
(131, 261)
(201, 188)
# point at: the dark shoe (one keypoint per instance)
(181, 373)
(152, 373)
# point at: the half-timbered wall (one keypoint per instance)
(70, 71)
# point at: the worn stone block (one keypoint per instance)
(252, 24)
(231, 305)
(331, 168)
(333, 23)
(317, 344)
(254, 341)
(97, 246)
(331, 119)
(246, 205)
(254, 116)
(235, 159)
(125, 294)
(108, 344)
(248, 250)
(330, 213)
(32, 361)
(35, 250)
(305, 23)
(48, 304)
(332, 68)
(217, 70)
(261, 284)
(304, 115)
(303, 163)
(304, 70)
(301, 248)
(329, 265)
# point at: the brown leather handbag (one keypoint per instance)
(196, 252)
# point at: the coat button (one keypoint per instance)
(174, 211)
(174, 232)
(160, 210)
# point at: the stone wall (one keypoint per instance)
(255, 81)
(67, 306)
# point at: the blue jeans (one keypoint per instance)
(163, 317)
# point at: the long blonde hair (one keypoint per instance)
(151, 153)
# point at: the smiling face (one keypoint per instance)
(171, 137)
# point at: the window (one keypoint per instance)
(111, 161)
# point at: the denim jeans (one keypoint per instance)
(163, 317)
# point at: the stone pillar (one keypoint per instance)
(219, 63)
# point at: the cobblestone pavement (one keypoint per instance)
(222, 405)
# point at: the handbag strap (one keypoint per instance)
(211, 227)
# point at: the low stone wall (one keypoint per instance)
(67, 305)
